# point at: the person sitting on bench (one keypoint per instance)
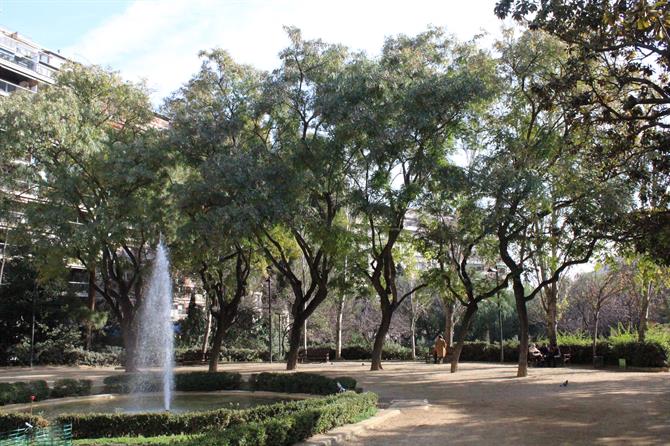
(534, 354)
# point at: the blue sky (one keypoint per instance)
(158, 40)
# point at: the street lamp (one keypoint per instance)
(269, 271)
(502, 353)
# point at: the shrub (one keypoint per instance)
(194, 381)
(13, 421)
(79, 356)
(154, 424)
(294, 427)
(391, 351)
(71, 387)
(300, 383)
(190, 381)
(21, 392)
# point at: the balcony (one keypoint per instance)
(17, 53)
(7, 88)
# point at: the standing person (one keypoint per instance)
(440, 349)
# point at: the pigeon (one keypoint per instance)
(340, 388)
(565, 384)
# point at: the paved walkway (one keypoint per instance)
(484, 403)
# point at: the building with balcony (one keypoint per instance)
(24, 65)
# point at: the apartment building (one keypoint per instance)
(27, 66)
(24, 65)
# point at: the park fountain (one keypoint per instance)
(156, 333)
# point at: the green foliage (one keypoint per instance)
(580, 338)
(12, 421)
(148, 425)
(300, 383)
(187, 381)
(71, 387)
(21, 392)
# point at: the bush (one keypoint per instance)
(190, 381)
(391, 351)
(21, 392)
(294, 427)
(194, 381)
(71, 387)
(79, 356)
(230, 354)
(155, 424)
(13, 421)
(300, 383)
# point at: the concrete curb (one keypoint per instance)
(344, 434)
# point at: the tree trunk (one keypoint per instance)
(340, 313)
(519, 296)
(595, 334)
(216, 346)
(294, 345)
(91, 307)
(380, 336)
(129, 335)
(466, 321)
(552, 314)
(208, 329)
(449, 308)
(412, 325)
(644, 314)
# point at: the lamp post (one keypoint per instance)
(269, 270)
(502, 353)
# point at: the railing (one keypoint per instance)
(34, 436)
(23, 55)
(8, 87)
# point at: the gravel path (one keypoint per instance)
(484, 403)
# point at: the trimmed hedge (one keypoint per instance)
(190, 381)
(300, 383)
(13, 421)
(295, 427)
(155, 424)
(637, 354)
(71, 387)
(21, 392)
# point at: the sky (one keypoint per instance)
(158, 40)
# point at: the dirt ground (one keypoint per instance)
(483, 403)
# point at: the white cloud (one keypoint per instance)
(159, 40)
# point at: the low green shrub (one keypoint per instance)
(295, 427)
(300, 383)
(231, 354)
(71, 387)
(22, 392)
(155, 424)
(79, 356)
(391, 351)
(206, 381)
(13, 421)
(189, 381)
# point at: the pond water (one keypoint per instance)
(181, 402)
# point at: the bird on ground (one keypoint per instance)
(565, 384)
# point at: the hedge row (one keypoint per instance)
(186, 382)
(637, 354)
(300, 383)
(294, 427)
(13, 421)
(226, 354)
(155, 424)
(23, 392)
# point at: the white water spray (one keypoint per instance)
(156, 333)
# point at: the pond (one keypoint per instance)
(152, 402)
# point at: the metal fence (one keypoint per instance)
(46, 436)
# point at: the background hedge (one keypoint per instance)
(300, 383)
(21, 392)
(185, 382)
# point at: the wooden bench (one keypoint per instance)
(313, 356)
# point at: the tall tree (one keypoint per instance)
(99, 177)
(403, 111)
(619, 61)
(534, 169)
(213, 124)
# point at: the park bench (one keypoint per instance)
(313, 355)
